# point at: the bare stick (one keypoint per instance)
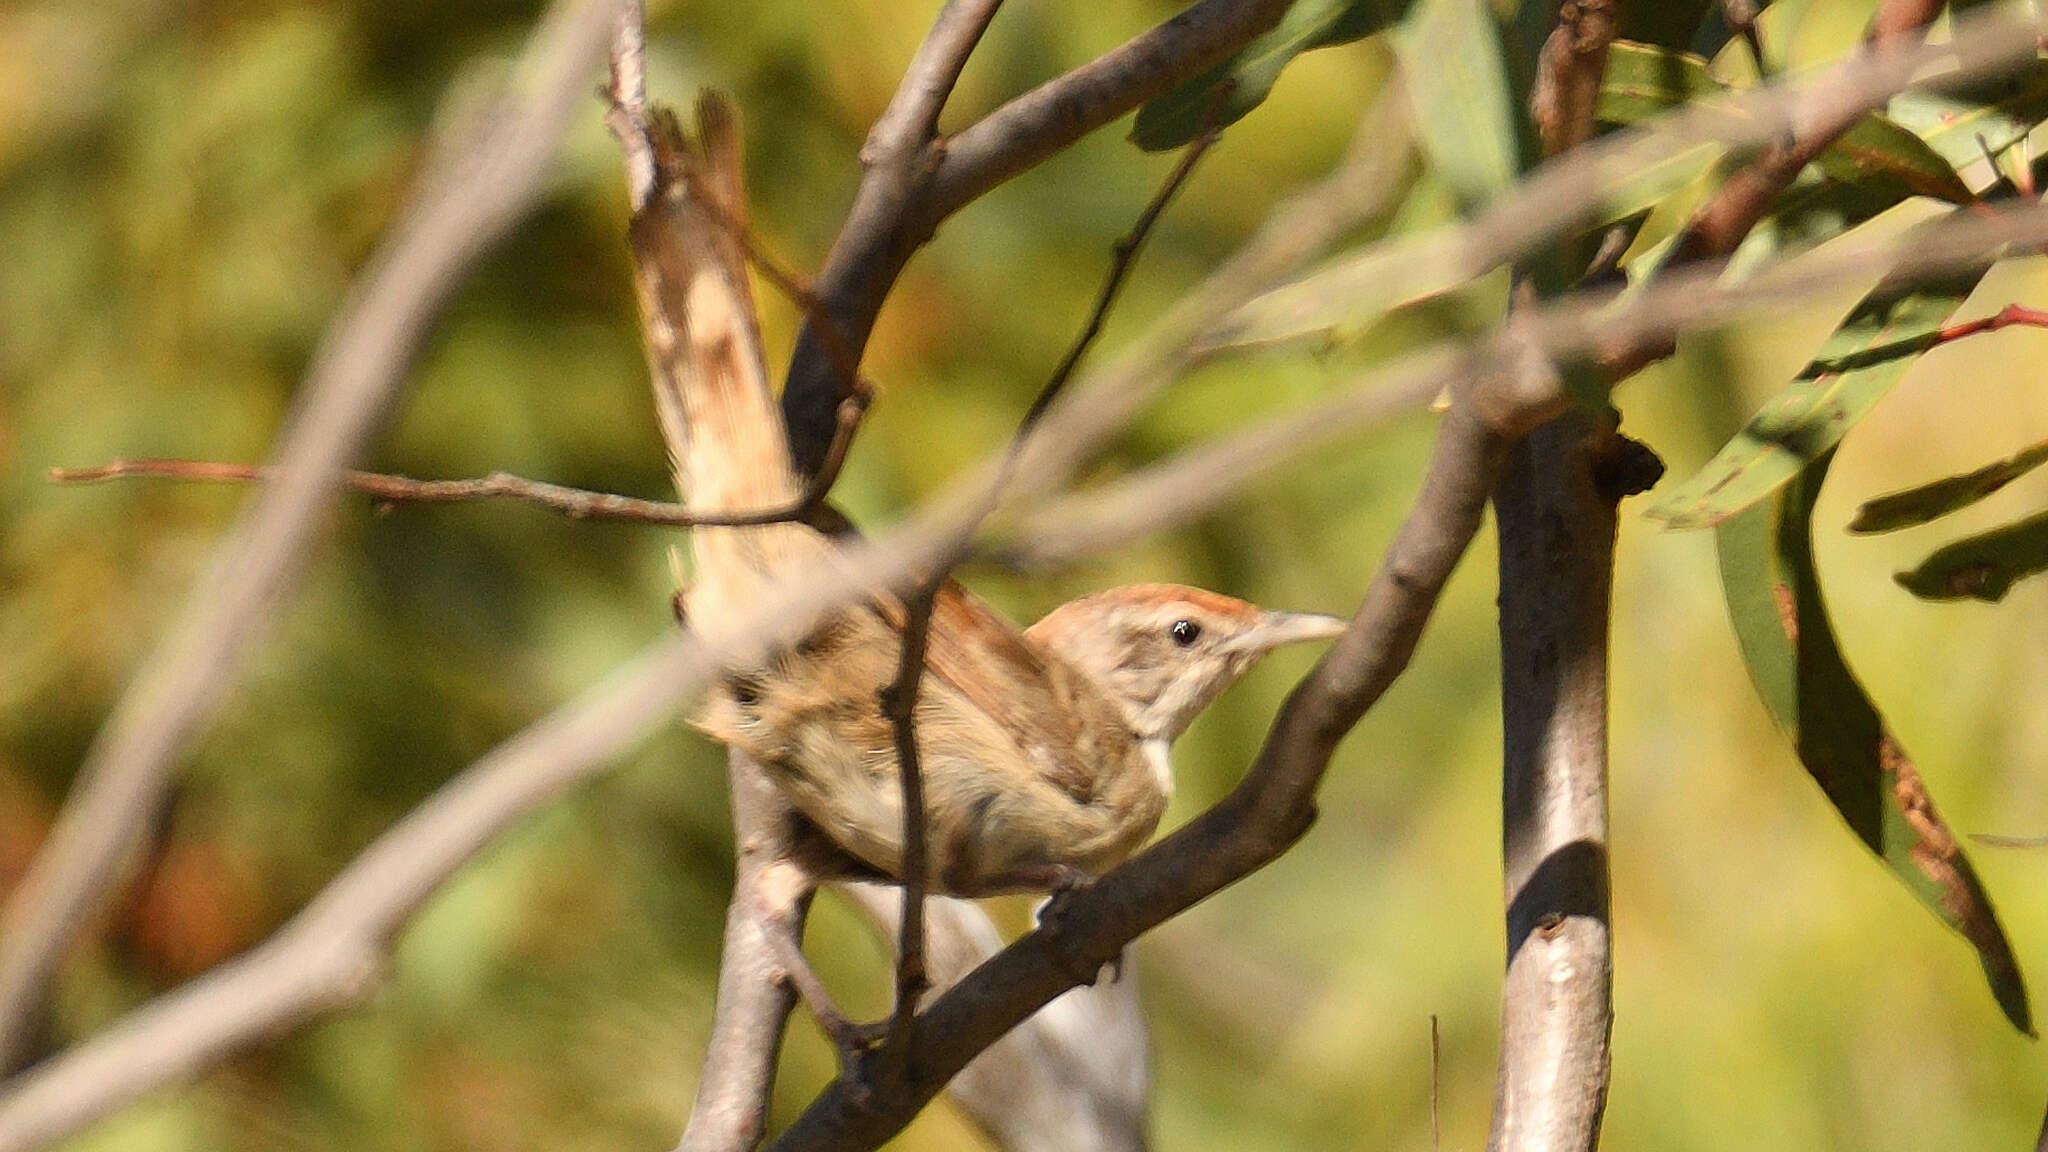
(899, 703)
(575, 503)
(347, 392)
(1436, 1063)
(1556, 530)
(914, 181)
(764, 924)
(1556, 568)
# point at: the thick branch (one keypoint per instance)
(1075, 1077)
(349, 387)
(771, 894)
(1556, 573)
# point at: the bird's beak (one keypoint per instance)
(1282, 628)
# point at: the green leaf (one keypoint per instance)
(1814, 210)
(1932, 501)
(1982, 567)
(1450, 53)
(1877, 146)
(1669, 22)
(1774, 598)
(1867, 354)
(1963, 127)
(1182, 114)
(1643, 80)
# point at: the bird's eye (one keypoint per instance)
(1185, 632)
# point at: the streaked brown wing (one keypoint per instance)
(1062, 723)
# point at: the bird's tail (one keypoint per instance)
(723, 427)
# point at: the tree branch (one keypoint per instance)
(348, 390)
(912, 184)
(1556, 573)
(1075, 1077)
(1267, 812)
(771, 896)
(1556, 576)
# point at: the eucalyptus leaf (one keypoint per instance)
(1932, 501)
(1963, 128)
(1451, 67)
(1984, 566)
(1643, 80)
(1876, 145)
(1184, 113)
(1860, 362)
(1780, 618)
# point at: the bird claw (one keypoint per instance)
(1051, 917)
(1059, 882)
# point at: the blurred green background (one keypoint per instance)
(185, 189)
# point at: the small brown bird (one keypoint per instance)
(1044, 752)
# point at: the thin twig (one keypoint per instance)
(349, 389)
(1123, 252)
(899, 703)
(388, 489)
(2010, 316)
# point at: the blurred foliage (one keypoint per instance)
(185, 188)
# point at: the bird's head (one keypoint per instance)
(1164, 651)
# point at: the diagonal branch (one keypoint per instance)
(355, 374)
(1270, 809)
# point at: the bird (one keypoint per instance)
(1044, 752)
